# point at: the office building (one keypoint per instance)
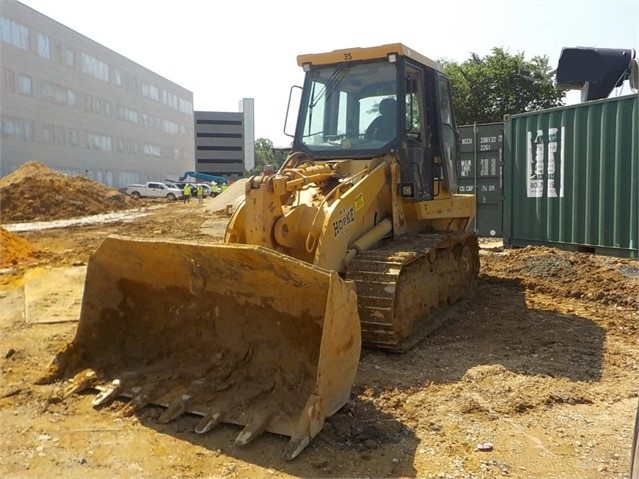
(81, 108)
(224, 141)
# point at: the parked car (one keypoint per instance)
(153, 189)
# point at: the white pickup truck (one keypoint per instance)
(153, 189)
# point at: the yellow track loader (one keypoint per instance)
(357, 239)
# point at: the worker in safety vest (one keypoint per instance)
(186, 193)
(200, 193)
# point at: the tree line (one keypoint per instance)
(484, 89)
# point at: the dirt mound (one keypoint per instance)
(590, 277)
(230, 196)
(34, 192)
(13, 249)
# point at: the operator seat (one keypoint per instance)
(384, 127)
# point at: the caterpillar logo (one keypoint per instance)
(346, 219)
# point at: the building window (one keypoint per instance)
(127, 114)
(150, 91)
(145, 119)
(94, 67)
(57, 94)
(14, 33)
(118, 77)
(107, 108)
(44, 46)
(72, 98)
(17, 129)
(152, 150)
(186, 106)
(95, 141)
(170, 99)
(24, 85)
(170, 127)
(47, 133)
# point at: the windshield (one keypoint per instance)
(350, 106)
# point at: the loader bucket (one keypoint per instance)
(234, 333)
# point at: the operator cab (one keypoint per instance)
(364, 103)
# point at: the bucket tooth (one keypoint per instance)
(85, 379)
(139, 399)
(309, 424)
(208, 422)
(108, 393)
(176, 408)
(294, 447)
(255, 426)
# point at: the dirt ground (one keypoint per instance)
(542, 364)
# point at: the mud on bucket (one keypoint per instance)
(234, 333)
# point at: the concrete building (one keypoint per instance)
(225, 141)
(80, 107)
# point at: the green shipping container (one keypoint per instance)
(571, 177)
(481, 172)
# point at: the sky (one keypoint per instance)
(226, 51)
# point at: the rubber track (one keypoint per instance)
(403, 286)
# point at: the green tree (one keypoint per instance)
(265, 155)
(485, 89)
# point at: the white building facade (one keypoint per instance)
(81, 108)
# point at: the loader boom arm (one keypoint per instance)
(203, 176)
(315, 213)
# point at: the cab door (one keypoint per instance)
(416, 153)
(447, 132)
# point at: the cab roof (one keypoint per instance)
(366, 53)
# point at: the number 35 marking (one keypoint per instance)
(348, 56)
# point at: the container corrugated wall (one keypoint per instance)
(571, 177)
(480, 172)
